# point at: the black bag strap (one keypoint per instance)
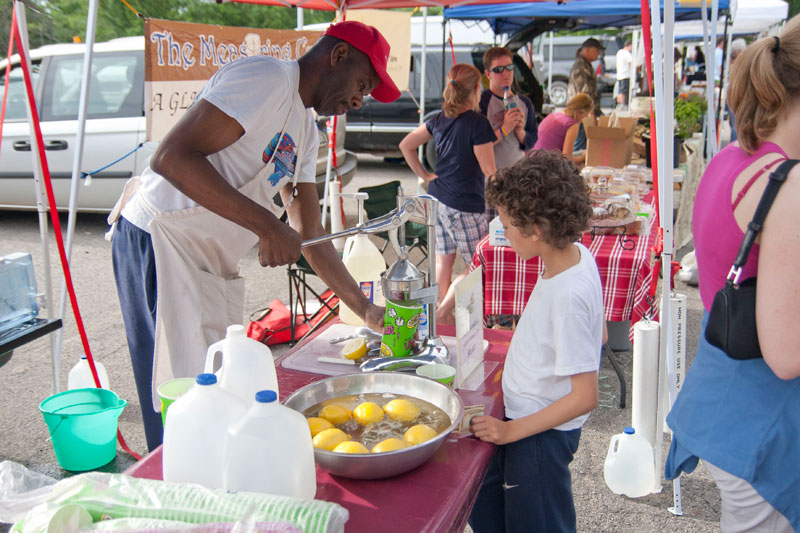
(776, 179)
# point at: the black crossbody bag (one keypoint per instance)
(732, 321)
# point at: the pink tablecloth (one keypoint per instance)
(437, 496)
(624, 263)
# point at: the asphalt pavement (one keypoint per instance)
(27, 377)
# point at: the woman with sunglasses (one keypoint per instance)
(463, 140)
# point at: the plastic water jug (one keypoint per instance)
(80, 377)
(269, 450)
(17, 291)
(194, 436)
(365, 263)
(247, 365)
(629, 468)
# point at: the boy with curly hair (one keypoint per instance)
(550, 375)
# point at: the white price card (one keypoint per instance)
(469, 326)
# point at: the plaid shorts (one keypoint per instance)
(459, 231)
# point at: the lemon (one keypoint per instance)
(367, 413)
(354, 349)
(402, 410)
(327, 439)
(389, 445)
(318, 424)
(350, 446)
(419, 434)
(335, 413)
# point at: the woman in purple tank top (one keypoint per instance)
(558, 130)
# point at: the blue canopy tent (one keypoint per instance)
(508, 18)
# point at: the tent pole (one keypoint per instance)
(77, 160)
(726, 58)
(24, 52)
(423, 68)
(635, 50)
(299, 18)
(550, 66)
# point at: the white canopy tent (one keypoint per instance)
(749, 17)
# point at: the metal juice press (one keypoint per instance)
(403, 282)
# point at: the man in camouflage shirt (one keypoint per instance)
(582, 77)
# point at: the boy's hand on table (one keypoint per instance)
(491, 429)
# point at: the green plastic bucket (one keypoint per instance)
(83, 427)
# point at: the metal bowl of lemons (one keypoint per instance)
(384, 460)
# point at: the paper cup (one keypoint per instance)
(444, 374)
(169, 391)
(399, 326)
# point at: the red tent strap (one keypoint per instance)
(15, 36)
(8, 72)
(648, 61)
(452, 48)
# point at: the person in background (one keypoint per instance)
(558, 130)
(515, 128)
(737, 47)
(742, 417)
(583, 79)
(464, 148)
(207, 198)
(719, 57)
(624, 72)
(550, 375)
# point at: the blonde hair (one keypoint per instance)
(579, 102)
(459, 91)
(765, 80)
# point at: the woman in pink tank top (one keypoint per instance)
(559, 130)
(742, 417)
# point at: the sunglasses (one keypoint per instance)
(499, 70)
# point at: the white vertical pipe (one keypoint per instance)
(550, 66)
(711, 129)
(299, 18)
(41, 203)
(423, 67)
(635, 53)
(77, 160)
(644, 390)
(336, 214)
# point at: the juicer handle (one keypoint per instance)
(212, 351)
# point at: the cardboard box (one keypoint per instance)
(497, 236)
(609, 143)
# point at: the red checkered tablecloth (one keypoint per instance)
(624, 263)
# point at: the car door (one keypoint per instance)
(115, 125)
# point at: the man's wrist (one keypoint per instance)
(503, 132)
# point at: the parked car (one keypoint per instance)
(564, 50)
(115, 125)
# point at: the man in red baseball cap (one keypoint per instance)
(370, 41)
(249, 136)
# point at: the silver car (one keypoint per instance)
(115, 125)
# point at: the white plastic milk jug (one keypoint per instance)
(80, 377)
(365, 263)
(247, 365)
(269, 450)
(629, 467)
(194, 435)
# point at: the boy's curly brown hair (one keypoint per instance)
(544, 189)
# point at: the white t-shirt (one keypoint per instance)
(258, 92)
(624, 64)
(560, 333)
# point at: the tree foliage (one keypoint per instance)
(60, 21)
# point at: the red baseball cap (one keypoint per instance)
(370, 41)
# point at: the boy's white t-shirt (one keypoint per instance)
(559, 334)
(258, 92)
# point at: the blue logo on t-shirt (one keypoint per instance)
(285, 158)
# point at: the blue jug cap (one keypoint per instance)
(206, 379)
(629, 430)
(266, 396)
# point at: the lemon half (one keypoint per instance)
(368, 413)
(327, 439)
(389, 445)
(354, 349)
(402, 410)
(419, 434)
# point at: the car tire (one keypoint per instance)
(430, 156)
(558, 93)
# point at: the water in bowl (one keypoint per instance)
(372, 434)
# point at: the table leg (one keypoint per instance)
(612, 358)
